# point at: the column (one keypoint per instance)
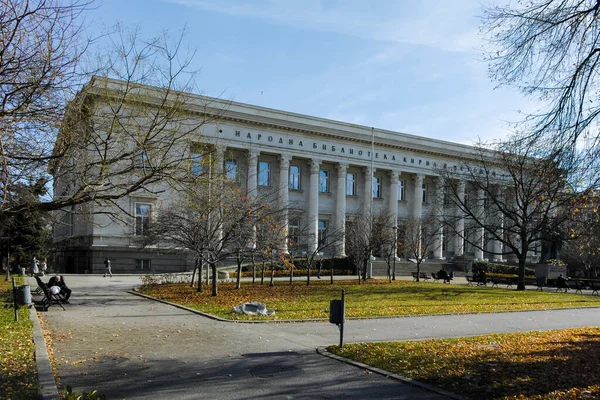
(439, 209)
(418, 196)
(368, 193)
(480, 231)
(340, 210)
(393, 207)
(284, 187)
(252, 184)
(497, 244)
(459, 246)
(313, 206)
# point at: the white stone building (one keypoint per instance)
(329, 169)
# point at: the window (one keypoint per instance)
(401, 191)
(376, 187)
(231, 170)
(322, 232)
(143, 212)
(425, 199)
(142, 159)
(294, 233)
(294, 177)
(196, 164)
(351, 184)
(324, 181)
(142, 264)
(264, 173)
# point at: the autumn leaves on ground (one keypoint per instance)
(18, 373)
(533, 365)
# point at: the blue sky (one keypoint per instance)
(409, 66)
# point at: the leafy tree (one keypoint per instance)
(583, 246)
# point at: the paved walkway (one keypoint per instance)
(130, 347)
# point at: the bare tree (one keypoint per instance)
(518, 196)
(365, 235)
(583, 247)
(418, 237)
(116, 136)
(551, 49)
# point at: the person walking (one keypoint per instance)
(35, 268)
(107, 267)
(44, 266)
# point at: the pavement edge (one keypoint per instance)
(323, 351)
(46, 380)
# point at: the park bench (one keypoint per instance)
(435, 277)
(421, 275)
(594, 286)
(470, 280)
(48, 299)
(562, 286)
(578, 286)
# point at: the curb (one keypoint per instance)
(323, 351)
(48, 388)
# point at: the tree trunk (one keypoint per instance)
(194, 272)
(238, 283)
(272, 276)
(200, 286)
(253, 270)
(262, 273)
(521, 279)
(331, 274)
(214, 278)
(292, 275)
(308, 275)
(418, 271)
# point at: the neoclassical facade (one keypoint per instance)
(328, 171)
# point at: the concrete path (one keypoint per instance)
(130, 347)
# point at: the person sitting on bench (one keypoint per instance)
(60, 282)
(442, 274)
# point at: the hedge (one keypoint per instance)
(495, 268)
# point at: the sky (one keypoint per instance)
(414, 67)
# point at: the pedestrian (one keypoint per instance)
(35, 268)
(44, 266)
(107, 267)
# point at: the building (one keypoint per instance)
(332, 170)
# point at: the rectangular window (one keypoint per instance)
(143, 212)
(376, 187)
(322, 232)
(142, 264)
(324, 181)
(401, 191)
(294, 233)
(196, 164)
(142, 159)
(264, 173)
(231, 170)
(425, 199)
(294, 177)
(351, 184)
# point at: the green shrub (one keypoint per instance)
(496, 268)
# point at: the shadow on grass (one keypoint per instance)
(566, 368)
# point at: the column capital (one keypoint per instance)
(419, 178)
(342, 168)
(368, 171)
(394, 176)
(284, 160)
(315, 165)
(253, 153)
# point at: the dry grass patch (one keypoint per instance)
(372, 299)
(560, 364)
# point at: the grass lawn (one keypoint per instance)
(18, 372)
(561, 364)
(372, 299)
